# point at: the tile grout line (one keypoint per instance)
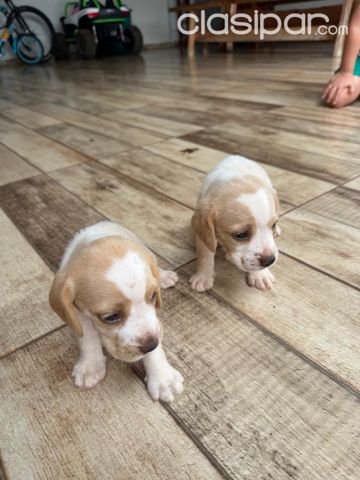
(205, 452)
(340, 185)
(28, 241)
(196, 441)
(146, 185)
(336, 379)
(31, 342)
(193, 438)
(104, 217)
(191, 208)
(317, 269)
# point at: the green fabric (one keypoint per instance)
(357, 67)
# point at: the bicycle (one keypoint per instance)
(29, 32)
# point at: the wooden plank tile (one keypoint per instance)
(265, 95)
(315, 314)
(187, 153)
(341, 204)
(53, 430)
(203, 118)
(293, 188)
(257, 407)
(46, 214)
(13, 167)
(171, 178)
(88, 142)
(26, 117)
(322, 243)
(204, 113)
(27, 99)
(322, 115)
(354, 184)
(222, 109)
(268, 151)
(102, 126)
(313, 144)
(24, 285)
(123, 102)
(89, 106)
(160, 221)
(163, 126)
(310, 127)
(43, 153)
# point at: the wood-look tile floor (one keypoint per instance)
(272, 379)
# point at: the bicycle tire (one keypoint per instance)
(28, 9)
(20, 50)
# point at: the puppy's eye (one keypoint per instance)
(274, 226)
(112, 318)
(241, 236)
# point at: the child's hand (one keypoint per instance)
(337, 84)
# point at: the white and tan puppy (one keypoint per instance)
(238, 209)
(107, 290)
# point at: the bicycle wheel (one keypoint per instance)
(29, 49)
(30, 20)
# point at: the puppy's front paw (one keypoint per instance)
(168, 278)
(87, 374)
(201, 281)
(261, 279)
(165, 384)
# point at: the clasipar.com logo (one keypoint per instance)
(243, 24)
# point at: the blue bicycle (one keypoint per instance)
(28, 31)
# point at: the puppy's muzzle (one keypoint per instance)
(266, 261)
(149, 345)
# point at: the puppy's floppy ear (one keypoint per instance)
(277, 206)
(202, 223)
(276, 200)
(155, 271)
(62, 298)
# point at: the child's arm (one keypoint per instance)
(352, 44)
(345, 78)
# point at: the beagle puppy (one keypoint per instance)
(107, 290)
(238, 209)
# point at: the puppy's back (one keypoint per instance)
(95, 232)
(232, 168)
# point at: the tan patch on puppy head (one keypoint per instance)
(220, 215)
(231, 219)
(276, 200)
(82, 283)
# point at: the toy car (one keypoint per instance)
(97, 28)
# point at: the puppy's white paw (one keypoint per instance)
(168, 278)
(165, 384)
(201, 281)
(87, 374)
(261, 279)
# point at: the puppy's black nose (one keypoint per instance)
(149, 346)
(267, 261)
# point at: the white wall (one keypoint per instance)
(54, 9)
(151, 16)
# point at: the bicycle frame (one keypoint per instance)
(12, 39)
(15, 14)
(12, 36)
